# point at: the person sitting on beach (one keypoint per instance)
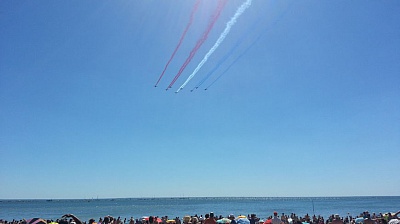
(106, 220)
(276, 219)
(307, 218)
(368, 220)
(194, 220)
(201, 219)
(118, 221)
(186, 219)
(336, 219)
(164, 219)
(210, 219)
(284, 218)
(253, 219)
(232, 218)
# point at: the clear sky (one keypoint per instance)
(309, 107)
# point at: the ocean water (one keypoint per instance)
(179, 207)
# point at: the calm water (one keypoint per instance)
(137, 207)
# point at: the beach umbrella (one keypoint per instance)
(224, 220)
(359, 220)
(36, 221)
(243, 221)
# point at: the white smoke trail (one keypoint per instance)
(221, 38)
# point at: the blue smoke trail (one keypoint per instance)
(221, 38)
(227, 55)
(249, 47)
(237, 59)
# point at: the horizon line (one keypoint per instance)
(188, 197)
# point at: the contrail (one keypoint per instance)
(228, 54)
(250, 46)
(221, 5)
(237, 59)
(221, 38)
(196, 6)
(227, 69)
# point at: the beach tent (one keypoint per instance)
(36, 221)
(243, 221)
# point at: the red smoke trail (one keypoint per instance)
(196, 6)
(221, 5)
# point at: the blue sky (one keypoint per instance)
(310, 106)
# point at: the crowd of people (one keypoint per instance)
(210, 218)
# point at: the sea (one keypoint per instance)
(263, 207)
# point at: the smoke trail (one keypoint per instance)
(221, 5)
(228, 54)
(196, 6)
(252, 44)
(237, 59)
(221, 38)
